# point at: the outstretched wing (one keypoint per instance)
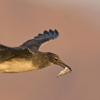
(35, 43)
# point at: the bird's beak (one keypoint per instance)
(65, 66)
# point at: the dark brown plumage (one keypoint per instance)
(27, 57)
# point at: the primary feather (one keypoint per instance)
(34, 44)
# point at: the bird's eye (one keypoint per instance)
(55, 59)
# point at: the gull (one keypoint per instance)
(27, 56)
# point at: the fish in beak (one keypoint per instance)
(66, 70)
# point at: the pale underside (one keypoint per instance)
(16, 65)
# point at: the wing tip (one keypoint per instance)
(54, 32)
(51, 34)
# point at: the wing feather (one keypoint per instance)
(35, 43)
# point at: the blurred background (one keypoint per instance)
(78, 45)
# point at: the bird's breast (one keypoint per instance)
(17, 65)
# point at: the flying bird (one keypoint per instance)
(27, 56)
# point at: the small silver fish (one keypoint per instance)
(63, 72)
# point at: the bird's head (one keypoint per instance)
(53, 58)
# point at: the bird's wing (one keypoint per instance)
(6, 53)
(35, 43)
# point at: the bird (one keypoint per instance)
(27, 56)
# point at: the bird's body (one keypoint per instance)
(24, 61)
(27, 57)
